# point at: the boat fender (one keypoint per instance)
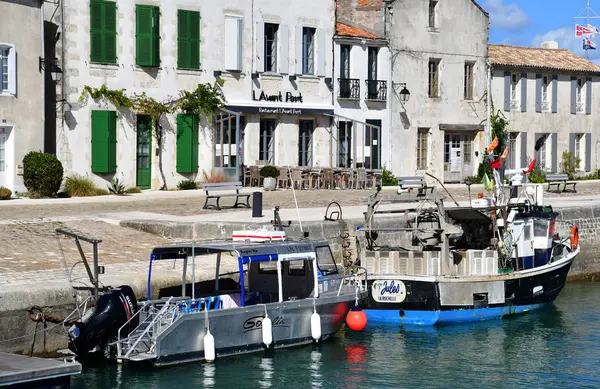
(574, 237)
(267, 330)
(315, 326)
(356, 319)
(209, 346)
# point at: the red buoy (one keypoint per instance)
(356, 319)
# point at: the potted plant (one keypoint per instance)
(270, 174)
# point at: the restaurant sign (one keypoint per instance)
(279, 98)
(266, 110)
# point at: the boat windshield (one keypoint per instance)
(325, 261)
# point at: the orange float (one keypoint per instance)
(574, 237)
(356, 319)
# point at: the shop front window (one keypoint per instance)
(267, 141)
(305, 142)
(225, 140)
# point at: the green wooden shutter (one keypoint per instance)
(112, 141)
(96, 31)
(194, 145)
(183, 58)
(187, 144)
(110, 32)
(144, 52)
(194, 42)
(188, 39)
(156, 36)
(104, 141)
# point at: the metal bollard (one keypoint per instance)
(257, 204)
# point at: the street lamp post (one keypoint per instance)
(51, 65)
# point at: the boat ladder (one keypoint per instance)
(139, 344)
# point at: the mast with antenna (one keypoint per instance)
(588, 14)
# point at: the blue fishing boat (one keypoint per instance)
(499, 256)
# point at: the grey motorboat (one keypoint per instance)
(282, 293)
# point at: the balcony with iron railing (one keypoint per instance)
(348, 89)
(376, 90)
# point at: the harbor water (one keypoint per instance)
(555, 348)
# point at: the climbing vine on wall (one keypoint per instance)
(117, 97)
(205, 101)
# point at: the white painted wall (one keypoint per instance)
(21, 109)
(562, 123)
(461, 35)
(74, 139)
(362, 110)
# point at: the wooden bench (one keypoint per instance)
(416, 182)
(211, 188)
(558, 180)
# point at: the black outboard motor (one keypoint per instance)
(113, 309)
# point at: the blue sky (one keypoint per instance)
(530, 22)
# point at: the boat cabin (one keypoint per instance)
(265, 272)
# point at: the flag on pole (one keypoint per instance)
(504, 154)
(493, 145)
(585, 32)
(530, 167)
(588, 45)
(487, 184)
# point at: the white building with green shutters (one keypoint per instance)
(552, 93)
(275, 58)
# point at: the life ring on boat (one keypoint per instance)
(574, 237)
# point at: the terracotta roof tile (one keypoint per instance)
(540, 58)
(351, 31)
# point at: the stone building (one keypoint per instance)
(21, 87)
(439, 51)
(275, 57)
(362, 65)
(547, 92)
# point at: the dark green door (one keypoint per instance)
(144, 156)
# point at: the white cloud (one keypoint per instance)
(565, 36)
(506, 16)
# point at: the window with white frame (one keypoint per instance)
(545, 156)
(308, 50)
(514, 96)
(305, 142)
(433, 68)
(432, 7)
(580, 150)
(271, 33)
(546, 94)
(7, 69)
(512, 150)
(580, 102)
(4, 51)
(468, 148)
(468, 95)
(422, 148)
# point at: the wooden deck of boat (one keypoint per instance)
(19, 371)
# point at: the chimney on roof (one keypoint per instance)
(550, 45)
